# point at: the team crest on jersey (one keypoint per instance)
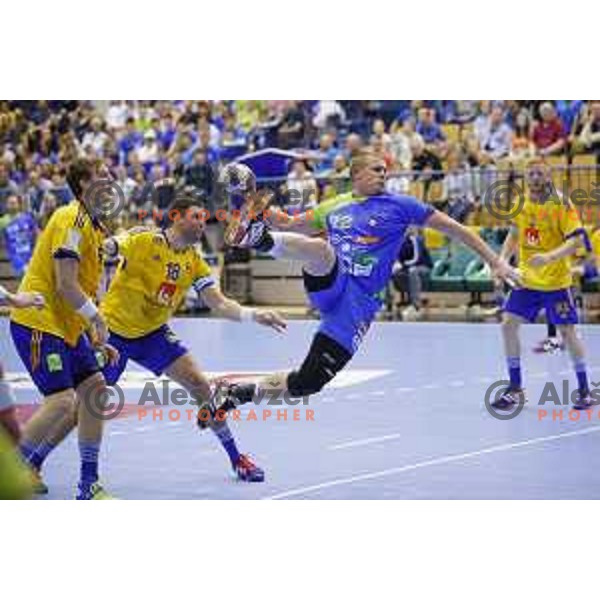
(341, 221)
(156, 257)
(166, 292)
(373, 222)
(532, 236)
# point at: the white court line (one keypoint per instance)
(378, 393)
(429, 463)
(457, 383)
(366, 441)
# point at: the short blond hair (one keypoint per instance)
(362, 158)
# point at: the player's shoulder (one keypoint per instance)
(72, 215)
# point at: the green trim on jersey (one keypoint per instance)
(322, 210)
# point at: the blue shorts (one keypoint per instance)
(53, 365)
(156, 352)
(559, 305)
(346, 310)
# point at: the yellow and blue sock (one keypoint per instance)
(88, 452)
(514, 372)
(581, 373)
(228, 442)
(35, 453)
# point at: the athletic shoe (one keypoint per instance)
(509, 399)
(247, 470)
(549, 346)
(247, 227)
(37, 483)
(583, 401)
(92, 492)
(410, 313)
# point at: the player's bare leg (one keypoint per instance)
(91, 395)
(186, 372)
(316, 255)
(576, 351)
(49, 426)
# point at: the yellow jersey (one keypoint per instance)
(543, 228)
(70, 233)
(150, 283)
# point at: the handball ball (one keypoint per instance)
(237, 178)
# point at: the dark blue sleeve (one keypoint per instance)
(410, 211)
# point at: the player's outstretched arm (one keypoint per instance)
(230, 309)
(500, 267)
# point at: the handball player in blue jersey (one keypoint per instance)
(346, 274)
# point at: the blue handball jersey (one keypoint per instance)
(367, 234)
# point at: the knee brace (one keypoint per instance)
(325, 359)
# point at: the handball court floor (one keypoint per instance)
(407, 420)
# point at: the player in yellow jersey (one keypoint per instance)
(546, 234)
(157, 269)
(58, 344)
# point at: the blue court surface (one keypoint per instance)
(406, 421)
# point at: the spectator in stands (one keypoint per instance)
(495, 138)
(327, 153)
(457, 192)
(411, 270)
(232, 134)
(430, 131)
(379, 133)
(549, 134)
(465, 111)
(167, 132)
(130, 141)
(590, 134)
(7, 187)
(301, 188)
(95, 137)
(400, 144)
(116, 116)
(49, 205)
(125, 182)
(59, 187)
(19, 234)
(328, 113)
(481, 122)
(353, 144)
(33, 191)
(522, 147)
(568, 111)
(425, 161)
(147, 153)
(200, 175)
(290, 132)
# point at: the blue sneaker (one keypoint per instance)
(246, 470)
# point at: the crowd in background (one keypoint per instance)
(144, 141)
